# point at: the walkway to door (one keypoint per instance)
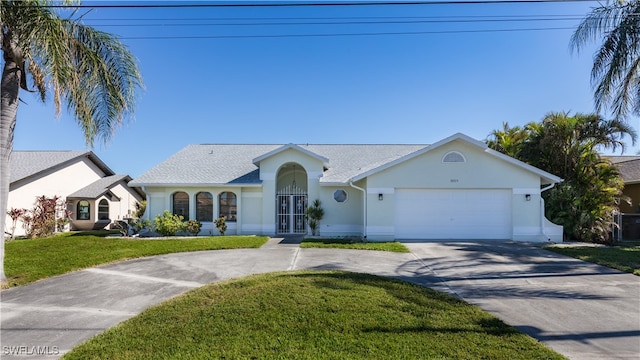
(581, 310)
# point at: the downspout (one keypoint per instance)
(364, 201)
(542, 217)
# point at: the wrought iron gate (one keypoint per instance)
(291, 204)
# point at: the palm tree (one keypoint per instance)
(90, 71)
(616, 65)
(567, 145)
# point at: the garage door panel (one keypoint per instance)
(453, 214)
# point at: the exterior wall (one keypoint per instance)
(480, 171)
(56, 181)
(341, 219)
(159, 199)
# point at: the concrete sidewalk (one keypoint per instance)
(581, 310)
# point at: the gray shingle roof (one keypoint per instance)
(232, 164)
(629, 170)
(24, 164)
(99, 187)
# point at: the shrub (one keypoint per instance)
(47, 217)
(193, 227)
(169, 224)
(221, 224)
(15, 215)
(313, 215)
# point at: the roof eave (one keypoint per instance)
(192, 185)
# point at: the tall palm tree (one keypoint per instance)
(616, 66)
(90, 71)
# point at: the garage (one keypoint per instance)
(453, 214)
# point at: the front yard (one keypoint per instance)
(30, 260)
(313, 315)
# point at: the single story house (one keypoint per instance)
(457, 188)
(94, 194)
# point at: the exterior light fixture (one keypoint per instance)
(527, 197)
(380, 197)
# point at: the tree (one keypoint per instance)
(90, 71)
(568, 146)
(616, 64)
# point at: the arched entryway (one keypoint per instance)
(291, 199)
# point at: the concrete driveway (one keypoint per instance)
(581, 310)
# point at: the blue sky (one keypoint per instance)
(415, 88)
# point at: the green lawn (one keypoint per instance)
(624, 257)
(351, 244)
(30, 260)
(313, 315)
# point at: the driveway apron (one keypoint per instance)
(581, 310)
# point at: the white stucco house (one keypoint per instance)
(457, 188)
(95, 195)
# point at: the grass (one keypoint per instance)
(313, 315)
(624, 257)
(30, 260)
(351, 244)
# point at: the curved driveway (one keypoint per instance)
(581, 310)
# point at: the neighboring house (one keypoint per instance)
(629, 169)
(457, 188)
(95, 195)
(629, 219)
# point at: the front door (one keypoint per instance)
(291, 203)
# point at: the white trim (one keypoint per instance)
(524, 191)
(251, 194)
(464, 159)
(324, 160)
(389, 191)
(550, 178)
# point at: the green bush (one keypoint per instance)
(193, 227)
(221, 224)
(169, 224)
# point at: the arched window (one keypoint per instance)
(228, 205)
(453, 157)
(83, 212)
(103, 210)
(181, 204)
(204, 206)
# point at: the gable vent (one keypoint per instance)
(453, 157)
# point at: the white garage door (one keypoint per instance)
(453, 214)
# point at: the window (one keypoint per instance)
(453, 157)
(103, 210)
(204, 206)
(181, 204)
(83, 210)
(340, 196)
(228, 205)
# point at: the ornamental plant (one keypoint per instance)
(313, 215)
(221, 224)
(169, 224)
(193, 227)
(48, 216)
(15, 215)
